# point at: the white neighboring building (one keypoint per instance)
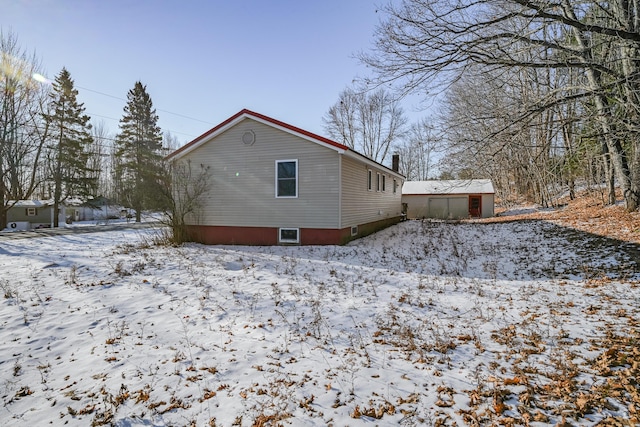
(99, 208)
(452, 199)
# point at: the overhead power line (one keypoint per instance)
(117, 120)
(158, 109)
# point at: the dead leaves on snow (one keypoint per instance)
(589, 214)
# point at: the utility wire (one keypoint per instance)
(117, 120)
(158, 109)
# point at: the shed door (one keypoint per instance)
(448, 207)
(475, 206)
(458, 207)
(438, 208)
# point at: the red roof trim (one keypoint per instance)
(296, 129)
(261, 117)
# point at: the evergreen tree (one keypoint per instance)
(138, 153)
(70, 137)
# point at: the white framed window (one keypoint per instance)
(32, 212)
(369, 179)
(289, 235)
(287, 178)
(395, 186)
(384, 183)
(377, 182)
(354, 230)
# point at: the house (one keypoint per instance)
(453, 199)
(93, 208)
(28, 214)
(78, 210)
(273, 183)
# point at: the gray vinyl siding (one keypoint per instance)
(43, 215)
(361, 206)
(242, 188)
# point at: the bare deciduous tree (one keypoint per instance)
(423, 43)
(170, 142)
(100, 158)
(22, 132)
(418, 151)
(368, 122)
(188, 184)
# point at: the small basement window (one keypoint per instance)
(354, 230)
(289, 235)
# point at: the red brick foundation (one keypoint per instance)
(268, 236)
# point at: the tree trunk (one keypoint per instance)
(57, 179)
(609, 175)
(618, 158)
(604, 119)
(3, 210)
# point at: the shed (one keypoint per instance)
(450, 199)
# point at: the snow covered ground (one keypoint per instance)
(425, 323)
(147, 218)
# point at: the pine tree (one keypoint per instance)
(138, 151)
(70, 137)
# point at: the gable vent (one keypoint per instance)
(249, 137)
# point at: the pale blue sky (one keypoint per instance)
(288, 59)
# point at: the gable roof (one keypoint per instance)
(455, 186)
(244, 114)
(30, 203)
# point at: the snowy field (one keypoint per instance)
(520, 323)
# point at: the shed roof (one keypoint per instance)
(456, 186)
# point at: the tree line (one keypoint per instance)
(50, 150)
(372, 122)
(539, 95)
